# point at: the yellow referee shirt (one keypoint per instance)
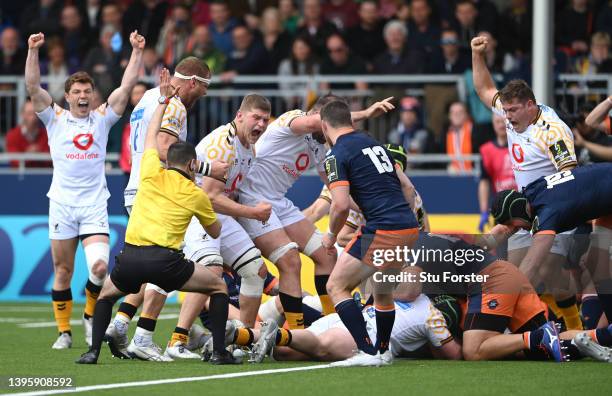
(164, 205)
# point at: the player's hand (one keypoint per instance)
(380, 108)
(36, 41)
(328, 242)
(137, 41)
(262, 211)
(165, 88)
(479, 44)
(219, 170)
(484, 220)
(578, 139)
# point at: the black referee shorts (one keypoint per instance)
(163, 267)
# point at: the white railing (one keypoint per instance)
(112, 168)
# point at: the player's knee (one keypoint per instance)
(63, 271)
(249, 267)
(286, 257)
(96, 257)
(333, 288)
(314, 243)
(471, 354)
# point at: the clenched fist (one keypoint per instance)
(479, 44)
(35, 41)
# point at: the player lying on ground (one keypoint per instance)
(166, 201)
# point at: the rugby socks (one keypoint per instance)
(91, 295)
(62, 309)
(218, 310)
(294, 313)
(101, 318)
(124, 316)
(591, 311)
(243, 337)
(552, 305)
(320, 282)
(602, 336)
(179, 335)
(353, 320)
(604, 292)
(570, 314)
(144, 330)
(283, 337)
(385, 316)
(532, 339)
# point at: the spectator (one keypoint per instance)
(496, 60)
(397, 59)
(452, 60)
(221, 27)
(75, 35)
(151, 65)
(424, 35)
(12, 58)
(28, 137)
(301, 62)
(41, 16)
(111, 15)
(574, 27)
(57, 69)
(516, 25)
(92, 10)
(200, 45)
(315, 27)
(410, 132)
(597, 61)
(604, 19)
(276, 40)
(590, 142)
(249, 55)
(342, 13)
(366, 38)
(389, 8)
(340, 60)
(466, 15)
(103, 63)
(146, 16)
(289, 15)
(172, 42)
(496, 172)
(200, 12)
(488, 17)
(459, 137)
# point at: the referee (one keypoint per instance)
(165, 203)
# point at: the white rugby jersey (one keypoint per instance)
(78, 150)
(281, 158)
(222, 144)
(174, 122)
(544, 148)
(355, 218)
(416, 323)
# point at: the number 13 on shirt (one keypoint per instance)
(379, 158)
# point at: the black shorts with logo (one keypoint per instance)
(163, 267)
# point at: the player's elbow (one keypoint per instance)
(214, 230)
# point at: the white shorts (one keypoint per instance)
(284, 213)
(333, 321)
(231, 244)
(522, 239)
(67, 222)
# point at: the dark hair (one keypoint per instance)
(180, 153)
(78, 77)
(310, 63)
(516, 89)
(192, 66)
(255, 101)
(323, 100)
(336, 114)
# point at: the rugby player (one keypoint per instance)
(233, 143)
(359, 167)
(556, 203)
(292, 144)
(166, 202)
(78, 193)
(192, 76)
(540, 144)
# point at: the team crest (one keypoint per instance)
(83, 141)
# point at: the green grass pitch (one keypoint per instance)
(26, 351)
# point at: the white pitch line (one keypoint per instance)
(16, 308)
(16, 320)
(78, 322)
(166, 381)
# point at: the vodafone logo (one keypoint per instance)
(83, 141)
(302, 162)
(517, 153)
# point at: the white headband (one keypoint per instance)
(183, 77)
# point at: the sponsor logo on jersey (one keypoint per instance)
(492, 304)
(517, 153)
(82, 156)
(331, 169)
(137, 115)
(290, 171)
(83, 141)
(560, 152)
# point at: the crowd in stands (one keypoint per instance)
(310, 37)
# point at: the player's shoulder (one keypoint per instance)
(284, 120)
(219, 144)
